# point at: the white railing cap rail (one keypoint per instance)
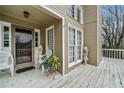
(114, 49)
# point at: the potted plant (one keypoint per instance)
(54, 64)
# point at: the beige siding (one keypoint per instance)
(90, 34)
(89, 26)
(58, 37)
(62, 10)
(17, 21)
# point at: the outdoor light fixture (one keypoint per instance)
(26, 14)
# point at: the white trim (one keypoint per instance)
(63, 35)
(39, 37)
(3, 23)
(0, 37)
(47, 29)
(36, 49)
(98, 29)
(77, 61)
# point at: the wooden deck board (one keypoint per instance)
(121, 73)
(77, 79)
(106, 77)
(101, 77)
(109, 74)
(117, 75)
(94, 79)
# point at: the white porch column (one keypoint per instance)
(36, 47)
(0, 36)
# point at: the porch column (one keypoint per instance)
(0, 37)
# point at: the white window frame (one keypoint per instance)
(47, 29)
(70, 6)
(38, 42)
(80, 60)
(3, 23)
(75, 13)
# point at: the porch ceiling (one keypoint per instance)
(37, 16)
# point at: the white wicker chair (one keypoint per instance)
(6, 61)
(44, 57)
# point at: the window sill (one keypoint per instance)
(75, 20)
(73, 63)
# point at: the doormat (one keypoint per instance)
(25, 69)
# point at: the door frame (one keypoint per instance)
(48, 28)
(23, 65)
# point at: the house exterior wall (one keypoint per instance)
(92, 38)
(57, 26)
(62, 10)
(90, 35)
(58, 38)
(19, 22)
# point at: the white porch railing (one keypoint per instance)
(113, 53)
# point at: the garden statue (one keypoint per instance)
(40, 56)
(85, 55)
(40, 50)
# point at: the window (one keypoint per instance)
(50, 39)
(75, 12)
(6, 36)
(36, 39)
(79, 45)
(78, 14)
(71, 45)
(74, 46)
(71, 11)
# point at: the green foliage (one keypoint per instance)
(52, 62)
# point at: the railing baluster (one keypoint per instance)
(113, 53)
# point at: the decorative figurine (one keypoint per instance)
(85, 55)
(40, 50)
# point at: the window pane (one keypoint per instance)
(6, 28)
(71, 45)
(50, 39)
(78, 52)
(78, 38)
(71, 54)
(79, 45)
(6, 36)
(36, 39)
(71, 36)
(6, 43)
(36, 34)
(71, 10)
(78, 14)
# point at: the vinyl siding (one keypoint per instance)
(90, 35)
(62, 10)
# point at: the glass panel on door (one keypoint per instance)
(23, 46)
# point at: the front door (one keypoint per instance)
(23, 45)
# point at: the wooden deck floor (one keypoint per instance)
(109, 74)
